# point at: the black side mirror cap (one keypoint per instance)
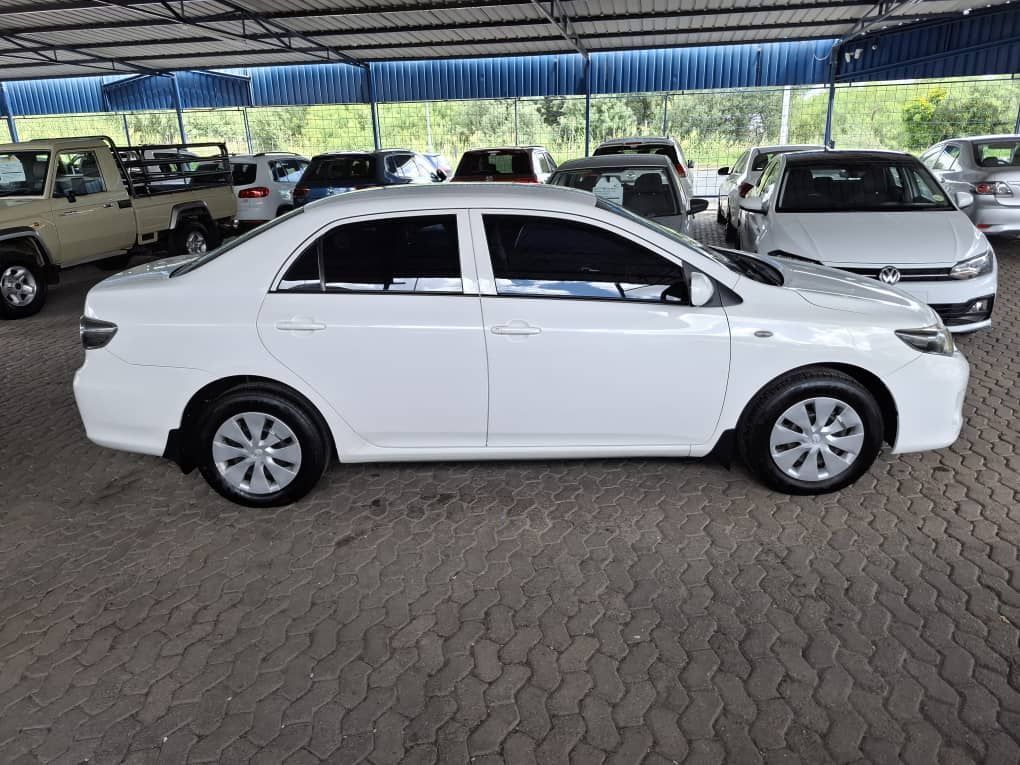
(697, 205)
(724, 171)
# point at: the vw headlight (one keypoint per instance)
(936, 339)
(971, 267)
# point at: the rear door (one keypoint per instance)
(582, 349)
(378, 315)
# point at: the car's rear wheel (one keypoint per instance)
(811, 433)
(261, 449)
(23, 286)
(720, 218)
(731, 231)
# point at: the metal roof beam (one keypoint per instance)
(31, 51)
(876, 14)
(557, 15)
(283, 39)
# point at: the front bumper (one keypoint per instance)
(929, 394)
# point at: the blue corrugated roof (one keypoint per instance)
(308, 84)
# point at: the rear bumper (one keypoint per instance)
(929, 394)
(993, 218)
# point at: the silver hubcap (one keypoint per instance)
(256, 453)
(817, 439)
(195, 243)
(17, 286)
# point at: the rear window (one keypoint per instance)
(997, 153)
(345, 167)
(644, 190)
(244, 173)
(641, 148)
(494, 163)
(288, 170)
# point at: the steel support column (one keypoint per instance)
(178, 108)
(127, 132)
(247, 130)
(587, 106)
(1016, 128)
(5, 105)
(374, 106)
(834, 55)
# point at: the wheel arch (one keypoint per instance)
(30, 237)
(187, 211)
(869, 380)
(180, 442)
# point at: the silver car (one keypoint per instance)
(989, 168)
(646, 184)
(663, 145)
(741, 178)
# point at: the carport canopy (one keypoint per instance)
(65, 38)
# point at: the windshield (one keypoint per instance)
(23, 173)
(1001, 153)
(200, 261)
(856, 186)
(738, 262)
(644, 190)
(340, 169)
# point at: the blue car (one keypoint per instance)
(338, 172)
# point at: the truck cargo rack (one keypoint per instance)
(153, 169)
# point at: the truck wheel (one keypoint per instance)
(23, 286)
(192, 237)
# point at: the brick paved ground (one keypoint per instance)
(554, 612)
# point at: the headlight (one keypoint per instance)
(971, 267)
(928, 340)
(95, 333)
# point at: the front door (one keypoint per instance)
(94, 223)
(583, 350)
(374, 316)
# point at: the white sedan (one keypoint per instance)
(504, 322)
(878, 214)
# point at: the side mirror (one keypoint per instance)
(702, 289)
(697, 205)
(752, 205)
(690, 164)
(724, 171)
(439, 176)
(964, 198)
(675, 293)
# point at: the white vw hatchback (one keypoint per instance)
(879, 214)
(500, 321)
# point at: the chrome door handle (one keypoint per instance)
(75, 212)
(301, 325)
(108, 204)
(516, 327)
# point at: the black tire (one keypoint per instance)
(20, 272)
(308, 428)
(719, 217)
(115, 263)
(731, 232)
(756, 425)
(185, 231)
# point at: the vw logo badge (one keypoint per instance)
(889, 275)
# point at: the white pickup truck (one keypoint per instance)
(69, 201)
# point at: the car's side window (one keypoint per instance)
(768, 178)
(415, 254)
(546, 257)
(78, 173)
(950, 159)
(931, 156)
(740, 164)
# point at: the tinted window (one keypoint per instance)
(244, 173)
(644, 148)
(1001, 153)
(762, 159)
(645, 190)
(398, 255)
(860, 186)
(287, 170)
(401, 165)
(740, 164)
(341, 168)
(78, 173)
(766, 180)
(494, 163)
(23, 173)
(949, 159)
(554, 258)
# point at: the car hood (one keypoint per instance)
(839, 291)
(851, 239)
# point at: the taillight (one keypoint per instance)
(95, 333)
(255, 192)
(681, 171)
(743, 188)
(998, 188)
(300, 191)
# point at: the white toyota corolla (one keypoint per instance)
(504, 322)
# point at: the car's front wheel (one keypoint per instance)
(23, 286)
(811, 432)
(259, 448)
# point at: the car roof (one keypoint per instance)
(527, 196)
(1001, 137)
(379, 153)
(506, 148)
(616, 160)
(638, 139)
(788, 147)
(845, 155)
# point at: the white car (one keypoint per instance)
(498, 321)
(741, 178)
(264, 184)
(877, 214)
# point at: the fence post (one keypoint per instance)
(177, 108)
(374, 106)
(1016, 128)
(784, 121)
(833, 66)
(127, 133)
(5, 105)
(587, 106)
(247, 130)
(517, 124)
(665, 114)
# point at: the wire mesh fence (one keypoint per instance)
(713, 126)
